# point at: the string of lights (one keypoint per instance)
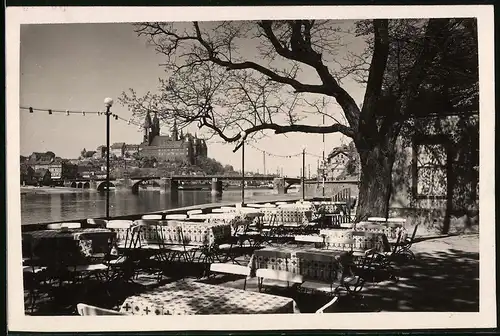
(82, 113)
(130, 122)
(282, 156)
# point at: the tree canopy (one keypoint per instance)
(269, 76)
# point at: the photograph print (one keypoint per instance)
(253, 166)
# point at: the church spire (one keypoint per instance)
(147, 128)
(175, 133)
(156, 124)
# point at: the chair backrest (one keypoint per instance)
(88, 310)
(328, 306)
(54, 226)
(97, 222)
(71, 225)
(176, 216)
(230, 269)
(279, 275)
(119, 224)
(152, 216)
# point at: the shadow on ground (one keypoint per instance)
(443, 281)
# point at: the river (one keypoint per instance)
(63, 205)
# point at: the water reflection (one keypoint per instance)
(50, 207)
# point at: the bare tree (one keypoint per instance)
(250, 76)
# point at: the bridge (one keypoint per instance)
(171, 184)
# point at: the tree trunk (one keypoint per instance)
(375, 181)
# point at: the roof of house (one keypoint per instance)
(118, 145)
(337, 152)
(40, 162)
(25, 169)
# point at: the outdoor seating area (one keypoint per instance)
(261, 258)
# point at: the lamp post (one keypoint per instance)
(243, 135)
(108, 102)
(303, 173)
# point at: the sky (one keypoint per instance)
(75, 66)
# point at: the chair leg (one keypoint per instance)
(245, 284)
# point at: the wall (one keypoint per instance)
(463, 208)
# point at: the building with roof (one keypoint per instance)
(58, 167)
(117, 149)
(335, 165)
(176, 146)
(42, 177)
(130, 150)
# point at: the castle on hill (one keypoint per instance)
(176, 146)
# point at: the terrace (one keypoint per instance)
(277, 257)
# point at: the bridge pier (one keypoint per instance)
(216, 187)
(168, 185)
(279, 185)
(93, 185)
(124, 184)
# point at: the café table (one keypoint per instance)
(311, 263)
(188, 297)
(356, 241)
(68, 243)
(391, 230)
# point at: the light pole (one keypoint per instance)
(303, 173)
(108, 102)
(323, 163)
(243, 135)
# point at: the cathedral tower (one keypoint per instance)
(156, 125)
(175, 133)
(147, 128)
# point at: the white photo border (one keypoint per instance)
(485, 318)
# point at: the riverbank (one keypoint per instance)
(50, 190)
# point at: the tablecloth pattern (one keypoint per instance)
(311, 263)
(181, 232)
(187, 297)
(357, 241)
(391, 230)
(70, 243)
(283, 216)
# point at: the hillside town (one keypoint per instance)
(159, 155)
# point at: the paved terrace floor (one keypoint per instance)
(444, 277)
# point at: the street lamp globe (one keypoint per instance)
(108, 102)
(243, 134)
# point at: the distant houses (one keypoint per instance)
(34, 169)
(27, 175)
